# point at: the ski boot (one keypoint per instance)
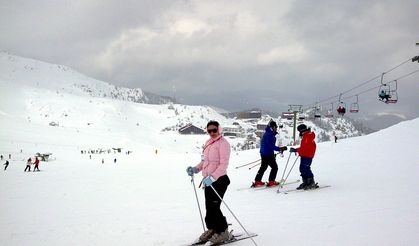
(218, 238)
(311, 184)
(205, 237)
(272, 183)
(257, 184)
(303, 184)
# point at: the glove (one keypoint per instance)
(293, 150)
(282, 149)
(208, 180)
(191, 170)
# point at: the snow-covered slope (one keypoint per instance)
(146, 198)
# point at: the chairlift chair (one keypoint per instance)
(329, 113)
(354, 106)
(341, 109)
(387, 93)
(317, 112)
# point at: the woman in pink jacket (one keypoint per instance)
(214, 163)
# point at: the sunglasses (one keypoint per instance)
(214, 130)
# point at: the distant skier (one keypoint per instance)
(267, 148)
(114, 160)
(214, 163)
(1, 157)
(6, 165)
(36, 164)
(10, 156)
(306, 152)
(336, 139)
(28, 165)
(103, 161)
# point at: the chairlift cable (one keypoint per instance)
(373, 88)
(360, 85)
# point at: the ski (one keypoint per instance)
(276, 186)
(295, 190)
(235, 238)
(267, 187)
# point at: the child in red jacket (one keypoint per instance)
(36, 164)
(306, 152)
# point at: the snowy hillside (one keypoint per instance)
(52, 94)
(62, 79)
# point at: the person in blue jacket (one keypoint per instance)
(267, 148)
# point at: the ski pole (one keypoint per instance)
(197, 201)
(248, 234)
(247, 164)
(285, 169)
(254, 166)
(289, 172)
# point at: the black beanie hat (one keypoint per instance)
(273, 124)
(302, 128)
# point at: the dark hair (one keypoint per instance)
(214, 123)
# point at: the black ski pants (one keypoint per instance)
(28, 167)
(214, 218)
(267, 160)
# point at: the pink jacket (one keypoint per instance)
(216, 158)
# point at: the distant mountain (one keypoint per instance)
(382, 121)
(55, 95)
(30, 72)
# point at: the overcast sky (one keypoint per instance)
(230, 54)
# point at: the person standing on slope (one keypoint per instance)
(36, 164)
(6, 165)
(214, 163)
(306, 152)
(28, 165)
(267, 148)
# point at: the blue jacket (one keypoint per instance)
(267, 144)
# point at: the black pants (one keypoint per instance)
(5, 167)
(28, 167)
(36, 167)
(214, 218)
(267, 160)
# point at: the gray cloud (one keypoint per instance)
(231, 54)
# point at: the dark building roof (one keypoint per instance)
(191, 129)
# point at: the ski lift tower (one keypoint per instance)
(294, 108)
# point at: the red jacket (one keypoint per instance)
(36, 162)
(308, 146)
